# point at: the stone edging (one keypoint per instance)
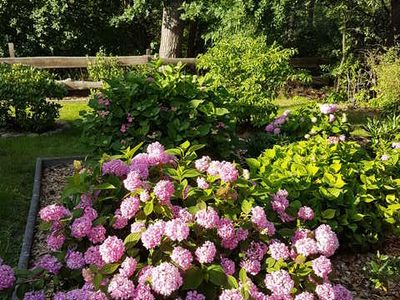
(27, 241)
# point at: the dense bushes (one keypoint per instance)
(154, 226)
(354, 193)
(252, 72)
(168, 106)
(23, 92)
(104, 67)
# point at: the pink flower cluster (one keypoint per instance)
(7, 276)
(226, 171)
(327, 109)
(115, 167)
(275, 126)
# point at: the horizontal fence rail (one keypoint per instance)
(70, 62)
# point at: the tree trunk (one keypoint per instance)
(171, 30)
(311, 13)
(395, 21)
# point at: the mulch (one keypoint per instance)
(348, 267)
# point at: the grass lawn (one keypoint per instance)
(17, 164)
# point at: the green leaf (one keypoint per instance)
(328, 214)
(98, 278)
(242, 275)
(246, 206)
(132, 239)
(232, 282)
(217, 275)
(109, 268)
(195, 103)
(148, 207)
(253, 163)
(105, 186)
(185, 145)
(192, 279)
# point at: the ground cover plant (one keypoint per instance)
(357, 194)
(169, 106)
(23, 104)
(164, 223)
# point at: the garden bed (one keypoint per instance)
(348, 268)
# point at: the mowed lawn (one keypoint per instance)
(17, 165)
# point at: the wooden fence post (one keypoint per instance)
(11, 49)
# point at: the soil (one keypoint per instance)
(348, 267)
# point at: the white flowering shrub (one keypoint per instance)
(167, 225)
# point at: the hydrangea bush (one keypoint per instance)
(310, 121)
(355, 193)
(168, 225)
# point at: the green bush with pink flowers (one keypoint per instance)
(166, 225)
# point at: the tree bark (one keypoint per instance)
(171, 30)
(310, 16)
(395, 21)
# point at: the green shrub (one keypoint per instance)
(384, 133)
(382, 270)
(355, 194)
(104, 67)
(168, 106)
(23, 92)
(252, 72)
(388, 81)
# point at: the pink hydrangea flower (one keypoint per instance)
(140, 164)
(202, 164)
(327, 240)
(74, 260)
(143, 292)
(256, 251)
(164, 190)
(81, 227)
(35, 295)
(49, 263)
(182, 213)
(325, 291)
(133, 181)
(137, 227)
(228, 172)
(327, 109)
(193, 295)
(90, 213)
(144, 196)
(115, 167)
(230, 244)
(97, 234)
(119, 221)
(259, 219)
(277, 130)
(241, 234)
(269, 128)
(279, 250)
(279, 201)
(279, 282)
(151, 238)
(228, 266)
(121, 287)
(306, 246)
(231, 295)
(176, 230)
(93, 257)
(206, 253)
(165, 279)
(300, 234)
(207, 218)
(202, 183)
(252, 267)
(182, 257)
(129, 207)
(145, 274)
(342, 293)
(7, 277)
(225, 229)
(112, 249)
(128, 267)
(322, 266)
(304, 296)
(53, 213)
(55, 240)
(157, 154)
(214, 167)
(305, 213)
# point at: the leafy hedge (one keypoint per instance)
(23, 93)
